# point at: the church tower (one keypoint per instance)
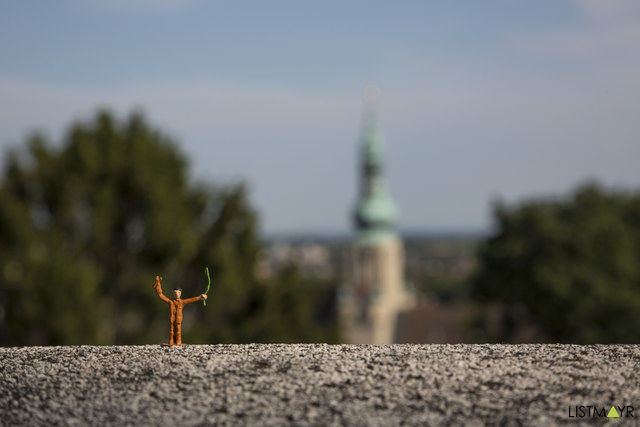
(374, 293)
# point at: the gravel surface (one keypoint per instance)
(316, 384)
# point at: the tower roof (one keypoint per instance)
(375, 212)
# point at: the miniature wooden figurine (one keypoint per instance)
(176, 304)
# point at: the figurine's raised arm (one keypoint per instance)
(158, 287)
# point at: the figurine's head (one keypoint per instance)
(177, 292)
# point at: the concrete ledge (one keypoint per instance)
(316, 384)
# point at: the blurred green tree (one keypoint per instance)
(567, 269)
(85, 228)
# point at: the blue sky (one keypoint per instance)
(479, 100)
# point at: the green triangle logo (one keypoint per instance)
(613, 413)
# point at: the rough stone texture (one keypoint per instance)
(315, 384)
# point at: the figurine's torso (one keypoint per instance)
(175, 309)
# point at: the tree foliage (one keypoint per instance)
(570, 268)
(86, 225)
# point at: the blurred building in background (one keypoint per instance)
(391, 288)
(374, 292)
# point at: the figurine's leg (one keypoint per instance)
(178, 334)
(171, 334)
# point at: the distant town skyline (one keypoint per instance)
(478, 100)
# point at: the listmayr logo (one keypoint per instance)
(591, 411)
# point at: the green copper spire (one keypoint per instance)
(375, 212)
